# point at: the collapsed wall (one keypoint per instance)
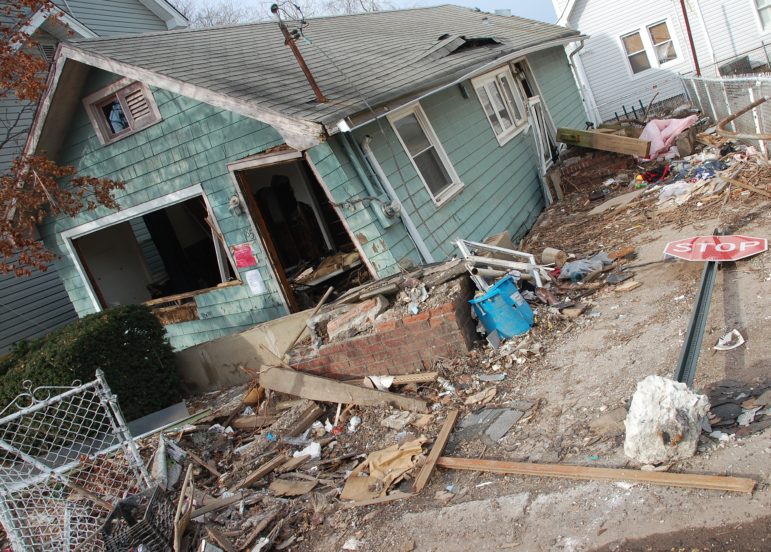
(393, 341)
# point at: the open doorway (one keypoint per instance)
(308, 244)
(161, 258)
(545, 133)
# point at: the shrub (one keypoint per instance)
(128, 343)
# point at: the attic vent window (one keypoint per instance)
(120, 110)
(48, 51)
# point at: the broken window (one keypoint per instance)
(662, 42)
(120, 110)
(764, 12)
(157, 258)
(502, 101)
(635, 52)
(425, 151)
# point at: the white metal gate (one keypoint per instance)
(66, 456)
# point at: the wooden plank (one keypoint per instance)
(605, 142)
(260, 472)
(749, 187)
(322, 389)
(252, 422)
(201, 462)
(216, 505)
(436, 451)
(686, 480)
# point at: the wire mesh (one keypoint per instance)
(144, 521)
(720, 97)
(65, 457)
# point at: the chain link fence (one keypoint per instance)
(720, 97)
(66, 456)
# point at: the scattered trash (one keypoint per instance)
(353, 424)
(381, 470)
(731, 340)
(664, 421)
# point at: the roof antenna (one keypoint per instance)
(289, 40)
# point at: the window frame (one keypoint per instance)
(759, 20)
(650, 47)
(119, 90)
(644, 50)
(70, 235)
(519, 125)
(455, 185)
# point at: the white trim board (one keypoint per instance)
(297, 133)
(42, 16)
(170, 15)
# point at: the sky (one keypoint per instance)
(541, 10)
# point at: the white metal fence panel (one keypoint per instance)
(720, 97)
(64, 460)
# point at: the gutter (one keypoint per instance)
(411, 228)
(466, 76)
(584, 90)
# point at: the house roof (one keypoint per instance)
(359, 61)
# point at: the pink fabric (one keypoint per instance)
(663, 132)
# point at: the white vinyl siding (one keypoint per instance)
(764, 13)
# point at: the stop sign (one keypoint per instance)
(716, 248)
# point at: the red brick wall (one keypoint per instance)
(400, 346)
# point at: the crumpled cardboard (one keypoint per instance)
(384, 468)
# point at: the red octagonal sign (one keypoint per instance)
(716, 248)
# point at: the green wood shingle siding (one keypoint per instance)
(192, 144)
(501, 188)
(555, 79)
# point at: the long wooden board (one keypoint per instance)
(260, 472)
(322, 389)
(605, 142)
(436, 451)
(687, 480)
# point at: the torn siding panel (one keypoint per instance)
(163, 165)
(558, 87)
(501, 188)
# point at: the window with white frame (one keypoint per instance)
(635, 52)
(662, 42)
(764, 13)
(121, 109)
(425, 151)
(502, 102)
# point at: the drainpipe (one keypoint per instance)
(411, 228)
(356, 162)
(690, 38)
(583, 86)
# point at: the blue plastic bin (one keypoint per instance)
(503, 309)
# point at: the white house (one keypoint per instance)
(636, 50)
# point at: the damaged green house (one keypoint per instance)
(252, 185)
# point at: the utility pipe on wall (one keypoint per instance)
(690, 38)
(411, 228)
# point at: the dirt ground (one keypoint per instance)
(586, 372)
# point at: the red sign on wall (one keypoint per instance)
(716, 248)
(244, 256)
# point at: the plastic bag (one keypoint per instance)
(575, 271)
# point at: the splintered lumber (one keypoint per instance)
(219, 539)
(252, 422)
(218, 504)
(604, 142)
(395, 495)
(261, 472)
(749, 187)
(322, 389)
(436, 451)
(686, 480)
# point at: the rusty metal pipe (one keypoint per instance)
(721, 130)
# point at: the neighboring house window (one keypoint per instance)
(764, 12)
(502, 102)
(120, 110)
(423, 147)
(635, 52)
(662, 42)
